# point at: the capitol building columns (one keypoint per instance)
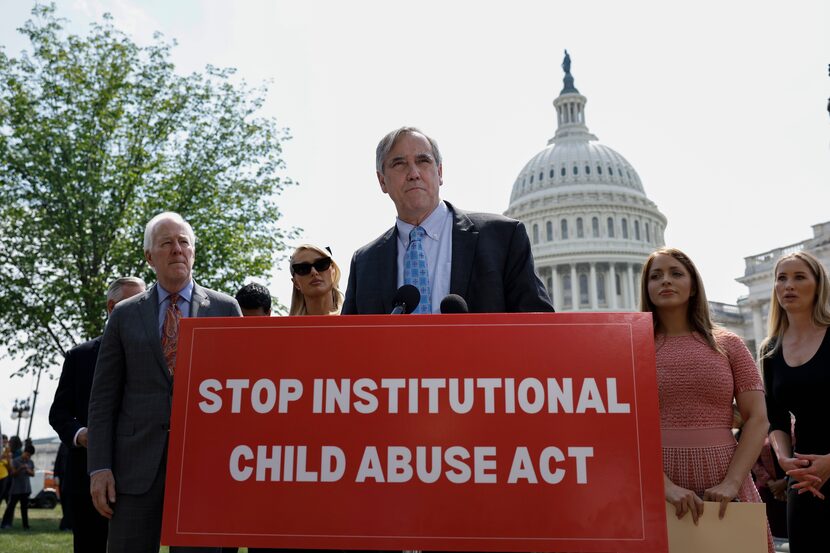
(591, 285)
(574, 289)
(758, 330)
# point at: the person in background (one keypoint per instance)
(68, 417)
(771, 482)
(701, 369)
(15, 446)
(12, 450)
(795, 359)
(21, 487)
(316, 280)
(254, 300)
(5, 468)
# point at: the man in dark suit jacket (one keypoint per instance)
(68, 416)
(132, 392)
(490, 263)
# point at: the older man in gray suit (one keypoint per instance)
(132, 392)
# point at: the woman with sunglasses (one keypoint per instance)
(701, 369)
(796, 364)
(316, 279)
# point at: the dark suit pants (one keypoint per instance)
(135, 526)
(89, 528)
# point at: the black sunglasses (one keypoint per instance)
(303, 269)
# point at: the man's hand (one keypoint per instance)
(82, 438)
(102, 489)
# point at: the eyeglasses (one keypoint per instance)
(303, 269)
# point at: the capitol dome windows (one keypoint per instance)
(599, 169)
(564, 229)
(587, 170)
(535, 233)
(595, 227)
(610, 227)
(549, 230)
(541, 175)
(636, 230)
(576, 170)
(563, 172)
(580, 231)
(551, 173)
(648, 236)
(625, 228)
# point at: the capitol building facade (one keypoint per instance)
(590, 222)
(748, 317)
(592, 226)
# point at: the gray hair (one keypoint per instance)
(388, 142)
(165, 216)
(116, 287)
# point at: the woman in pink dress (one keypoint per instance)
(700, 370)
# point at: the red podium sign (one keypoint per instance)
(510, 432)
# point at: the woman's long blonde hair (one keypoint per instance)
(298, 306)
(777, 322)
(697, 312)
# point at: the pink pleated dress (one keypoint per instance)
(696, 387)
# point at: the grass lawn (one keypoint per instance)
(44, 535)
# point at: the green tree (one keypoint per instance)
(97, 135)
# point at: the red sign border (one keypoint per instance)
(635, 322)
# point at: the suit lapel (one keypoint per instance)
(199, 300)
(388, 257)
(148, 307)
(464, 239)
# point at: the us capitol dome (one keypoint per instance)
(590, 222)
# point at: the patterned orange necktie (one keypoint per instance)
(170, 332)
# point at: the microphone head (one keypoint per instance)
(409, 297)
(453, 303)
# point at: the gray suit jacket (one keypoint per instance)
(132, 391)
(492, 268)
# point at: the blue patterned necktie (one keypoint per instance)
(416, 271)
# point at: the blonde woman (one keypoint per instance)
(701, 370)
(796, 365)
(316, 279)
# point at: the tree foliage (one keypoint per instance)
(97, 135)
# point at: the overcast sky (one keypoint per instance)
(720, 107)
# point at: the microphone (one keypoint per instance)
(406, 300)
(453, 303)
